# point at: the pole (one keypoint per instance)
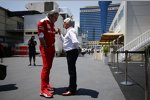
(114, 60)
(126, 82)
(118, 72)
(146, 75)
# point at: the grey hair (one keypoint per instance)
(53, 13)
(70, 21)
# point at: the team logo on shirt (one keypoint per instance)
(48, 26)
(41, 28)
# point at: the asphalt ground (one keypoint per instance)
(95, 80)
(136, 75)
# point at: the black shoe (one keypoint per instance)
(29, 65)
(34, 64)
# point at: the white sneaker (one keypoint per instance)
(46, 93)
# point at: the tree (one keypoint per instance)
(105, 50)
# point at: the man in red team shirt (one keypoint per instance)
(46, 33)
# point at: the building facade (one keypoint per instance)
(133, 21)
(91, 22)
(42, 6)
(11, 30)
(108, 16)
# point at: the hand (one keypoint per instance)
(79, 49)
(58, 31)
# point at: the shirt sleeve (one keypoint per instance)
(73, 37)
(41, 29)
(41, 35)
(62, 37)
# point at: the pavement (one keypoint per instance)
(136, 76)
(95, 80)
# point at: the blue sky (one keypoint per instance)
(73, 5)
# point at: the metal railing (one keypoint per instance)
(139, 42)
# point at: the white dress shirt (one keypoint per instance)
(70, 40)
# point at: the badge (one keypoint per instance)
(48, 26)
(41, 27)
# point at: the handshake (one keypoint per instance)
(57, 31)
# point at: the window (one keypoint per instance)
(28, 33)
(35, 32)
(19, 25)
(120, 14)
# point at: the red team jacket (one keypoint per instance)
(47, 28)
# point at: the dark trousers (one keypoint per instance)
(72, 56)
(32, 55)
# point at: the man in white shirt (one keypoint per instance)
(71, 46)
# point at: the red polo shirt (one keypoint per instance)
(47, 28)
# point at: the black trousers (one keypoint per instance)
(32, 55)
(72, 56)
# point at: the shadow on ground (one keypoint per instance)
(80, 91)
(8, 87)
(38, 65)
(35, 66)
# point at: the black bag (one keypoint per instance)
(3, 72)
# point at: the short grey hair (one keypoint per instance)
(70, 21)
(53, 13)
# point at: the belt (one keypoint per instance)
(51, 45)
(71, 50)
(48, 46)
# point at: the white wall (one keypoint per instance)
(135, 20)
(40, 6)
(31, 21)
(138, 19)
(120, 26)
(35, 6)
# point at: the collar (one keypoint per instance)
(69, 28)
(47, 19)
